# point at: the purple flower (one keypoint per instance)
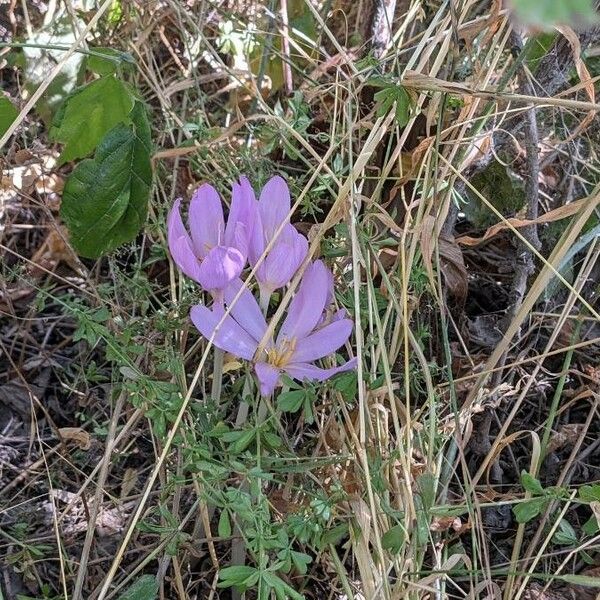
(290, 247)
(307, 333)
(215, 254)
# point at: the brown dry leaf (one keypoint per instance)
(130, 479)
(478, 149)
(453, 268)
(454, 523)
(562, 212)
(567, 435)
(77, 435)
(411, 161)
(427, 246)
(53, 251)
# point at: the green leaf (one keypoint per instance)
(398, 94)
(105, 200)
(528, 510)
(591, 527)
(88, 114)
(144, 588)
(244, 440)
(565, 534)
(393, 539)
(224, 527)
(114, 60)
(335, 535)
(290, 401)
(301, 561)
(241, 576)
(281, 588)
(347, 385)
(583, 580)
(548, 13)
(589, 493)
(8, 113)
(531, 484)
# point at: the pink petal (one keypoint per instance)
(257, 241)
(274, 205)
(268, 377)
(246, 310)
(230, 336)
(180, 244)
(283, 260)
(307, 306)
(323, 342)
(302, 371)
(220, 267)
(242, 216)
(206, 219)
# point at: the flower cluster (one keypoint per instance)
(214, 253)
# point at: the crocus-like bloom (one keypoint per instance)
(290, 246)
(215, 254)
(307, 333)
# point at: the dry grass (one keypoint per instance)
(405, 454)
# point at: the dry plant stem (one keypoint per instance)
(104, 468)
(575, 294)
(285, 43)
(550, 509)
(524, 264)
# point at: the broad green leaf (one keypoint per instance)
(105, 200)
(89, 114)
(224, 527)
(531, 484)
(144, 588)
(591, 527)
(393, 539)
(8, 113)
(290, 401)
(107, 61)
(548, 13)
(528, 510)
(589, 493)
